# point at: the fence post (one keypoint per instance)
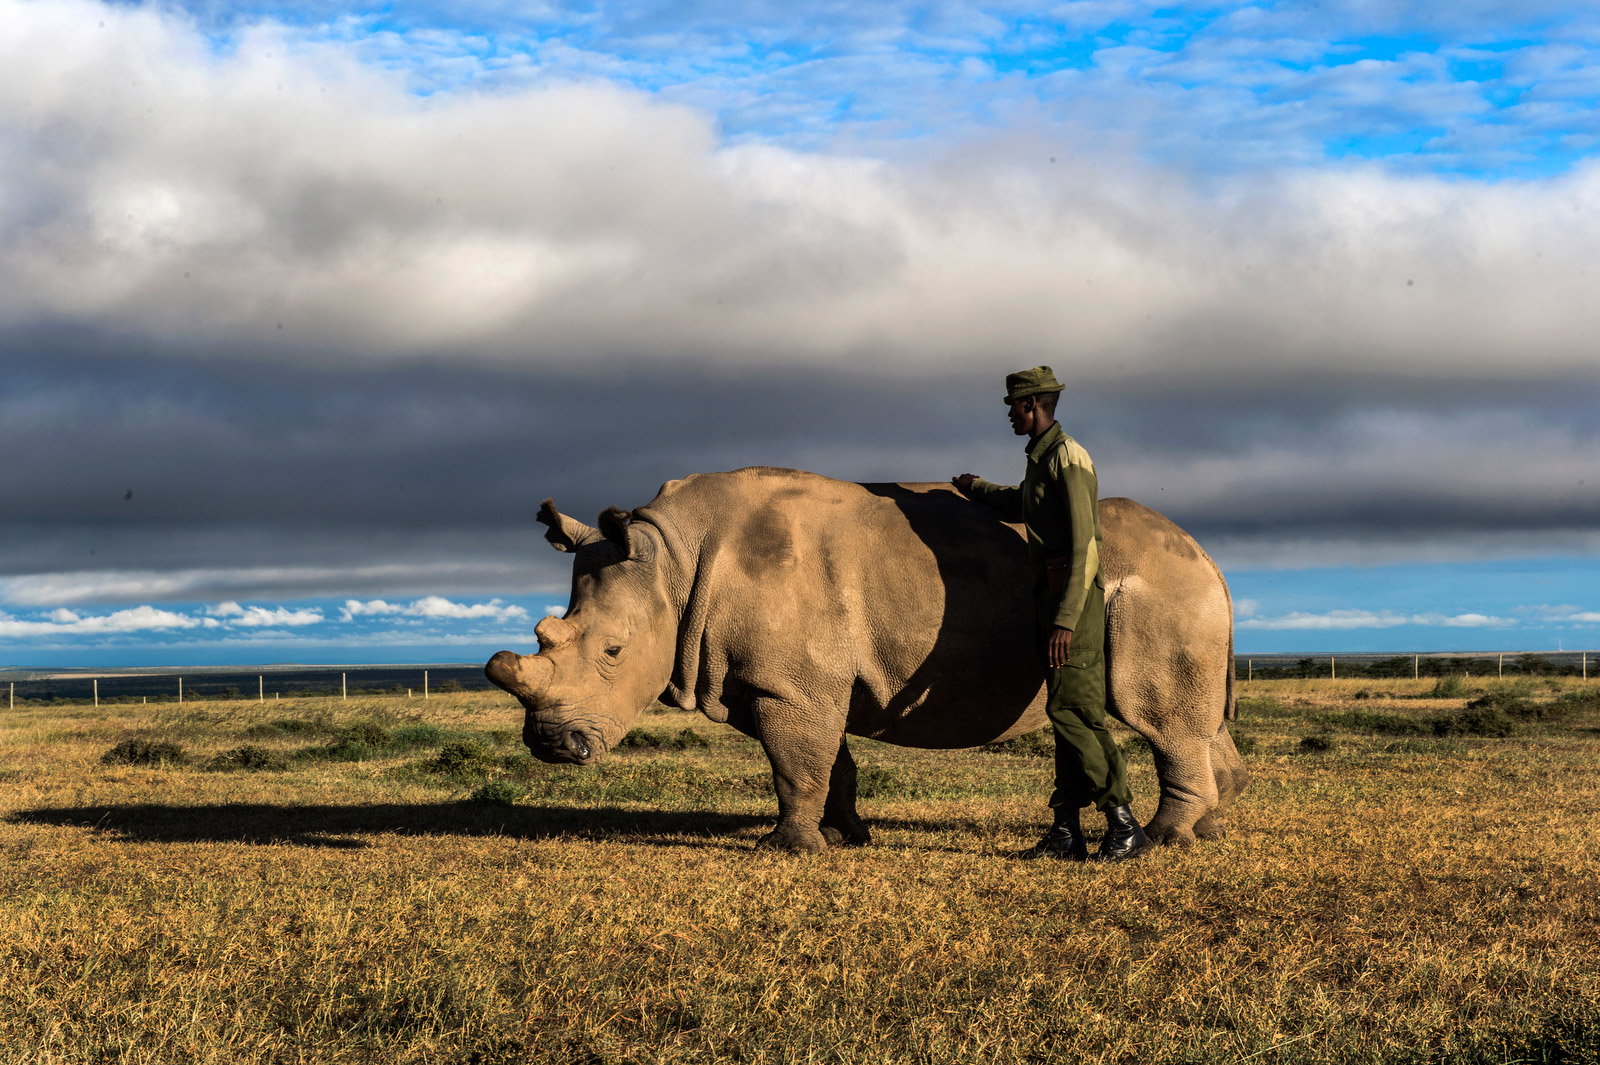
(1416, 667)
(261, 690)
(97, 692)
(1502, 673)
(13, 695)
(1249, 669)
(1332, 673)
(180, 691)
(344, 688)
(424, 684)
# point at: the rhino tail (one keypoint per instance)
(1230, 711)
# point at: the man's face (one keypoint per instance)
(1021, 414)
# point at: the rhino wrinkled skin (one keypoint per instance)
(798, 609)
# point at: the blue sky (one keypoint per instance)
(305, 306)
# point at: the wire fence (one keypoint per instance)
(1417, 664)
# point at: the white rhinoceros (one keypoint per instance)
(798, 609)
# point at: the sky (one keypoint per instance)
(305, 307)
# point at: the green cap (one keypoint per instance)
(1031, 383)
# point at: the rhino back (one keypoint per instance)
(903, 606)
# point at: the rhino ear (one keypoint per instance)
(564, 533)
(614, 524)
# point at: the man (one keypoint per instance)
(1058, 502)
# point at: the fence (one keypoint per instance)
(1278, 666)
(188, 686)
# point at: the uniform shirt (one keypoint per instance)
(1057, 503)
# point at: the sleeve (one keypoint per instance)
(1006, 498)
(1079, 482)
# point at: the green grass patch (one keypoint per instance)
(1040, 743)
(249, 756)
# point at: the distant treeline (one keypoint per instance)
(1522, 665)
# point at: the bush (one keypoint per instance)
(651, 739)
(499, 793)
(1315, 744)
(146, 752)
(1040, 744)
(875, 782)
(461, 756)
(1450, 686)
(250, 756)
(283, 726)
(368, 733)
(1384, 724)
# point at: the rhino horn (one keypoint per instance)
(564, 533)
(522, 675)
(554, 632)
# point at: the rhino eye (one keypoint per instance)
(614, 650)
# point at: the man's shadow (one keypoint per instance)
(351, 826)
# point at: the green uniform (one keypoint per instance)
(1057, 501)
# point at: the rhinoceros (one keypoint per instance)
(800, 609)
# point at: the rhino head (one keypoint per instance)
(602, 663)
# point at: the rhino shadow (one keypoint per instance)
(344, 827)
(981, 654)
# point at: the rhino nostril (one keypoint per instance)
(577, 745)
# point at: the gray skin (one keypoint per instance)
(799, 609)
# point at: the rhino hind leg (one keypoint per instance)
(841, 826)
(1188, 788)
(1232, 778)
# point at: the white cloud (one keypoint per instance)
(65, 622)
(432, 606)
(1370, 619)
(256, 616)
(203, 198)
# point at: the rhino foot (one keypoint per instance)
(789, 837)
(1169, 835)
(1210, 827)
(846, 832)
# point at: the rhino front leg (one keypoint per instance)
(840, 823)
(803, 756)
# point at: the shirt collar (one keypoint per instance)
(1038, 449)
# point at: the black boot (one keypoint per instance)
(1064, 840)
(1124, 838)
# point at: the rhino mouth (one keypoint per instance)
(571, 746)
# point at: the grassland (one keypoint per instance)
(393, 880)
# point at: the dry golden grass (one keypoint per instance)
(1392, 897)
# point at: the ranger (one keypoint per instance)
(1057, 502)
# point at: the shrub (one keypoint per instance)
(146, 752)
(1040, 744)
(1450, 686)
(499, 793)
(460, 756)
(1315, 744)
(369, 733)
(874, 782)
(290, 726)
(643, 738)
(1384, 724)
(249, 756)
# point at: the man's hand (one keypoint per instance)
(964, 482)
(1058, 649)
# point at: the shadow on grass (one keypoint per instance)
(344, 826)
(347, 826)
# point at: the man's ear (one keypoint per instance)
(565, 534)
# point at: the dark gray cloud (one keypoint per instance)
(251, 477)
